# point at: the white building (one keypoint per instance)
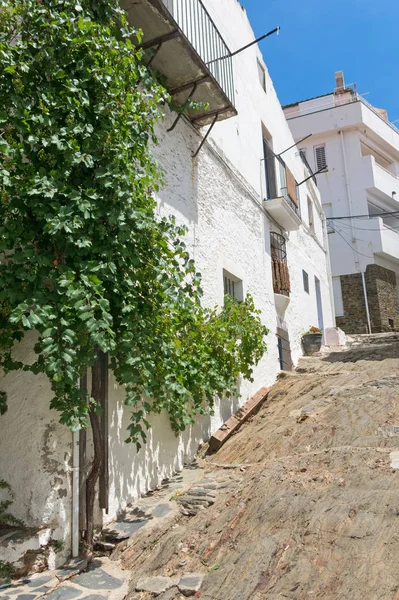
(265, 234)
(360, 188)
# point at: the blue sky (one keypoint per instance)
(361, 37)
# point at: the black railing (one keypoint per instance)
(199, 28)
(281, 276)
(278, 246)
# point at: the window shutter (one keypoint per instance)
(291, 186)
(320, 157)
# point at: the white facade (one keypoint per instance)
(361, 150)
(220, 197)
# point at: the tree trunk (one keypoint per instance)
(98, 458)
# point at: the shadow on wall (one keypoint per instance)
(132, 473)
(179, 192)
(35, 449)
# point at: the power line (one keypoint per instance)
(351, 247)
(367, 229)
(395, 212)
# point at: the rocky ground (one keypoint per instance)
(303, 502)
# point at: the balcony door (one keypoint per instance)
(270, 170)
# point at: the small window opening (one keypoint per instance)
(233, 286)
(262, 74)
(305, 281)
(310, 215)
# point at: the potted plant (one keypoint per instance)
(311, 341)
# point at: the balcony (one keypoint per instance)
(284, 209)
(384, 239)
(380, 182)
(182, 43)
(280, 273)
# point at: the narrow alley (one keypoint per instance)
(301, 503)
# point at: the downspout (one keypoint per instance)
(366, 301)
(75, 494)
(356, 256)
(328, 264)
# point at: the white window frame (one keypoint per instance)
(262, 75)
(233, 286)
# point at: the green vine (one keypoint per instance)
(85, 260)
(7, 570)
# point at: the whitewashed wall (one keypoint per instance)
(219, 197)
(35, 451)
(341, 129)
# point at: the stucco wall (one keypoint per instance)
(219, 197)
(227, 229)
(35, 450)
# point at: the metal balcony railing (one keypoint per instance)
(281, 276)
(199, 28)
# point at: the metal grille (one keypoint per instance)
(278, 248)
(281, 276)
(197, 25)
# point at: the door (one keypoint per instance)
(319, 304)
(270, 171)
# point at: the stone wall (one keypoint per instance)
(382, 297)
(355, 316)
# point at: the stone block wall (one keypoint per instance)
(382, 297)
(355, 316)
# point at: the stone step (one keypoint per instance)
(373, 339)
(27, 550)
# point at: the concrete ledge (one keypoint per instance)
(234, 423)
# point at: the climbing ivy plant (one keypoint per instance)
(84, 260)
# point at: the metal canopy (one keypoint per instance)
(172, 54)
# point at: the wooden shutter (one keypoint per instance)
(291, 186)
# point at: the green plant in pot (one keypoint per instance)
(311, 341)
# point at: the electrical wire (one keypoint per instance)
(385, 213)
(367, 229)
(351, 247)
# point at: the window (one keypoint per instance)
(233, 286)
(305, 277)
(337, 293)
(310, 215)
(270, 168)
(320, 157)
(262, 74)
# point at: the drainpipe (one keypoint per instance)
(75, 494)
(366, 302)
